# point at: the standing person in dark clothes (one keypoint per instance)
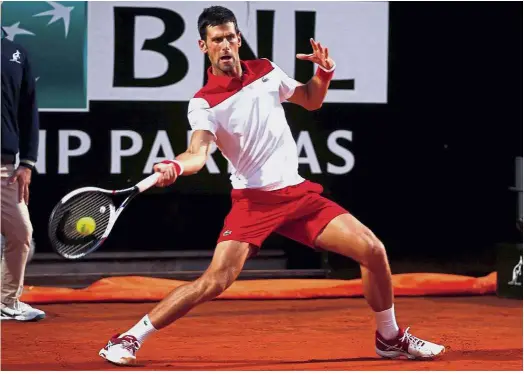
(19, 136)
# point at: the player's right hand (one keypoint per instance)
(169, 174)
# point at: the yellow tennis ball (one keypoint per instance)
(85, 226)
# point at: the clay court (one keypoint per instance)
(481, 332)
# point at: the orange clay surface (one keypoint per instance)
(481, 332)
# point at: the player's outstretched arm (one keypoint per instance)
(189, 162)
(195, 157)
(311, 95)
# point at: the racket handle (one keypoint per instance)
(149, 182)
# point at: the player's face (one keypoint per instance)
(221, 45)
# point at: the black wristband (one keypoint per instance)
(26, 165)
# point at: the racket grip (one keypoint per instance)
(149, 182)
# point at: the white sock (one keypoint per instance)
(386, 323)
(141, 330)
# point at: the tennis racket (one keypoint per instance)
(82, 220)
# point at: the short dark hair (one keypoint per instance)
(214, 16)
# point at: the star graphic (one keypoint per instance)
(58, 12)
(14, 30)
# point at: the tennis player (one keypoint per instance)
(240, 109)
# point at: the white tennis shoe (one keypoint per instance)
(20, 311)
(121, 350)
(407, 345)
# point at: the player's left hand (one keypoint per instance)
(320, 56)
(23, 176)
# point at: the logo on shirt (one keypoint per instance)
(16, 57)
(227, 233)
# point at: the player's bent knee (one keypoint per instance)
(216, 287)
(376, 254)
(215, 283)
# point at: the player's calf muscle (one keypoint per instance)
(181, 300)
(225, 267)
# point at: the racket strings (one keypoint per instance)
(64, 233)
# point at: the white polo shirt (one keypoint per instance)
(247, 118)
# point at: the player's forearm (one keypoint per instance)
(191, 163)
(194, 158)
(317, 88)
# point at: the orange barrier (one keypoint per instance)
(131, 288)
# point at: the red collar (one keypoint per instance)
(224, 80)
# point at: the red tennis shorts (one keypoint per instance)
(297, 212)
